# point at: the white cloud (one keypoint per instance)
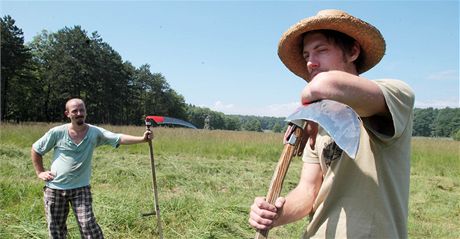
(222, 106)
(444, 75)
(275, 110)
(452, 103)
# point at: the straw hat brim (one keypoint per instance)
(372, 43)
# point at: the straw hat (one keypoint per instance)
(370, 39)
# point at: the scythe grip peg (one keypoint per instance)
(291, 138)
(148, 123)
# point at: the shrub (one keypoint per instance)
(456, 135)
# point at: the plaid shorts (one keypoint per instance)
(57, 208)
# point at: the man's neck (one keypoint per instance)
(78, 128)
(77, 132)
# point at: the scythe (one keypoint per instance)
(148, 123)
(339, 121)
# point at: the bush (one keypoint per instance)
(456, 136)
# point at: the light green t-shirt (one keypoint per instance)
(71, 163)
(366, 197)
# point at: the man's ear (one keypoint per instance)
(355, 51)
(66, 113)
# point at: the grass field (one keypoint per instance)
(207, 181)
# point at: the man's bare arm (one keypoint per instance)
(37, 161)
(361, 94)
(299, 202)
(130, 139)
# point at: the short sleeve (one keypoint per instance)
(105, 137)
(399, 98)
(309, 155)
(46, 142)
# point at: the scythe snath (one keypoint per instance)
(294, 147)
(148, 123)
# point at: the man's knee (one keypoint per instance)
(90, 229)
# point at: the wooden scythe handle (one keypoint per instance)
(290, 150)
(154, 182)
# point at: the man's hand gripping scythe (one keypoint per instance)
(295, 140)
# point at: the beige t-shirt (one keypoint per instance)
(366, 197)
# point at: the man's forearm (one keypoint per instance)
(37, 161)
(129, 139)
(299, 202)
(363, 95)
(297, 206)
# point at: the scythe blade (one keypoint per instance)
(339, 120)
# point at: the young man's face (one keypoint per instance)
(323, 55)
(76, 111)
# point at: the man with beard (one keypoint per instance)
(68, 180)
(365, 197)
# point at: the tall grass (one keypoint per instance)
(435, 189)
(207, 181)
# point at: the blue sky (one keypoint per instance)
(223, 54)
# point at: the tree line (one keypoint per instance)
(432, 122)
(39, 76)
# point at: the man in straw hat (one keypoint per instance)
(366, 197)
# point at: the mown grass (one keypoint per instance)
(207, 181)
(435, 189)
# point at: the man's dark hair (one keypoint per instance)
(343, 41)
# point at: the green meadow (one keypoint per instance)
(207, 180)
